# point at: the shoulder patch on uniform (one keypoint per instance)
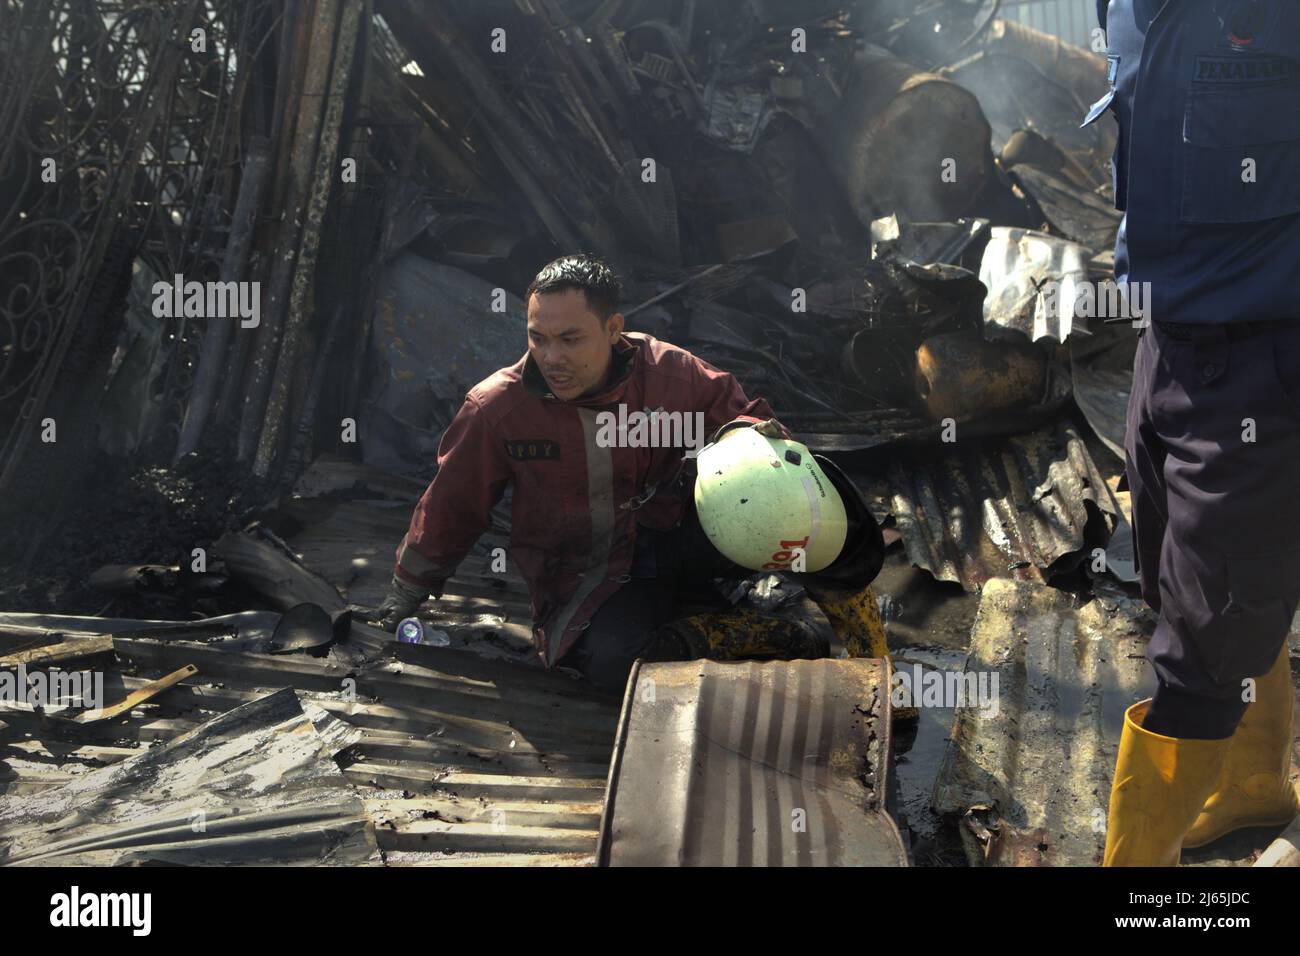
(1249, 24)
(533, 449)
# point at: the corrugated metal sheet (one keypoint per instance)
(1029, 780)
(456, 756)
(1031, 80)
(897, 426)
(253, 785)
(740, 764)
(1017, 507)
(1077, 213)
(1016, 265)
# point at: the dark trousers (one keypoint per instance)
(670, 581)
(1213, 465)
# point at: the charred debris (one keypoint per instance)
(880, 215)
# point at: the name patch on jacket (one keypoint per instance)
(1239, 69)
(533, 449)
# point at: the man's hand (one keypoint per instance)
(402, 601)
(770, 429)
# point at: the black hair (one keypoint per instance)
(581, 271)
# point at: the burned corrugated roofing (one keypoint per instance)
(1018, 507)
(447, 752)
(1028, 779)
(253, 785)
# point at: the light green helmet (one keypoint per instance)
(761, 501)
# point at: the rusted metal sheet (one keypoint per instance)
(1025, 507)
(276, 573)
(783, 763)
(1028, 776)
(876, 429)
(1073, 211)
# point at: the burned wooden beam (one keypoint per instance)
(310, 113)
(301, 440)
(290, 61)
(69, 650)
(213, 353)
(277, 577)
(322, 178)
(136, 697)
(429, 24)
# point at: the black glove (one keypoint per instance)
(402, 601)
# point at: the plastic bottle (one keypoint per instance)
(410, 631)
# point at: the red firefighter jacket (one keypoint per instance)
(581, 486)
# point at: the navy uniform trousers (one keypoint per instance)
(1213, 464)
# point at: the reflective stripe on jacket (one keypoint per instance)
(574, 509)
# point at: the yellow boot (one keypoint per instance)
(1254, 788)
(1160, 785)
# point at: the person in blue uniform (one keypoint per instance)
(1206, 95)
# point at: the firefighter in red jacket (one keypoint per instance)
(597, 430)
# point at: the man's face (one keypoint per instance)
(570, 345)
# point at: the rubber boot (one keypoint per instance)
(1255, 789)
(854, 615)
(738, 633)
(1160, 786)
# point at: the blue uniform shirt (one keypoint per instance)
(1207, 163)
